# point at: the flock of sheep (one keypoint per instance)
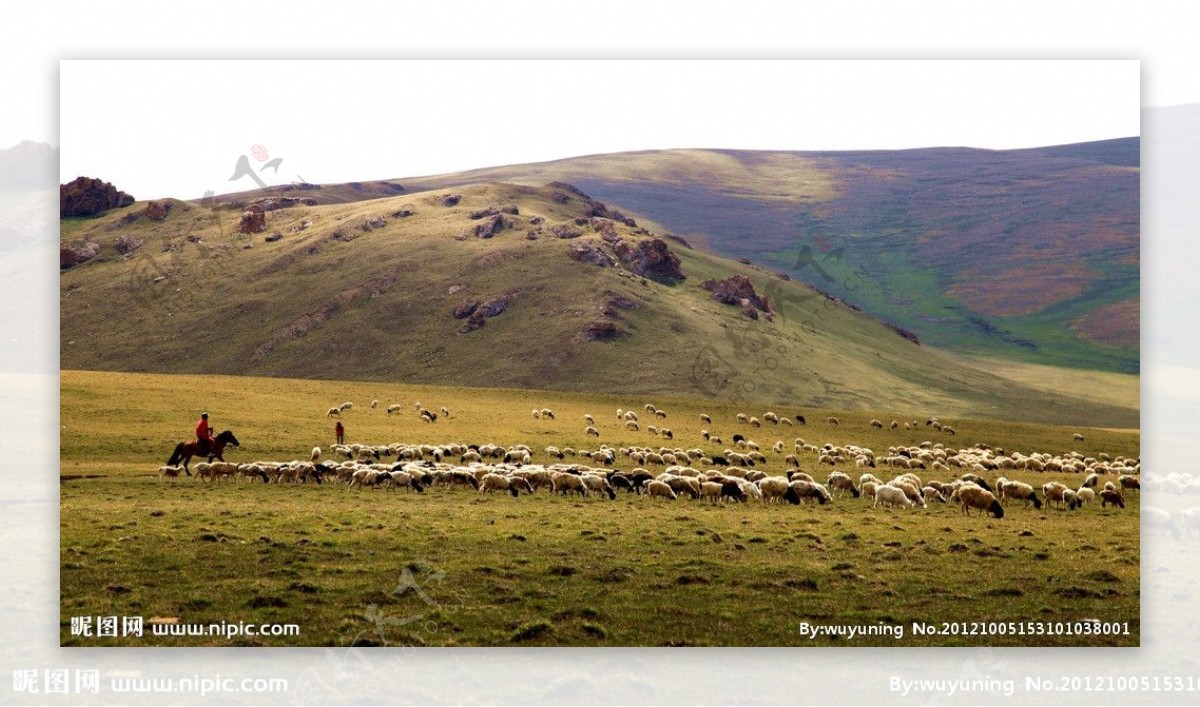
(970, 478)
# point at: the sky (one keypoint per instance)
(339, 121)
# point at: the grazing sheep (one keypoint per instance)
(374, 404)
(785, 421)
(891, 496)
(977, 480)
(1159, 519)
(1085, 495)
(910, 489)
(661, 414)
(808, 489)
(630, 425)
(563, 483)
(930, 492)
(547, 414)
(682, 484)
(1077, 437)
(1091, 480)
(971, 496)
(705, 419)
(839, 481)
(741, 417)
(1111, 496)
(877, 424)
(346, 406)
(537, 414)
(316, 454)
(591, 431)
(1020, 491)
(445, 411)
(771, 418)
(800, 419)
(588, 419)
(1129, 483)
(334, 412)
(754, 422)
(393, 408)
(497, 482)
(667, 434)
(1058, 494)
(833, 421)
(428, 416)
(661, 489)
(894, 424)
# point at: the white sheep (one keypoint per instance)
(705, 419)
(547, 414)
(316, 454)
(171, 472)
(877, 424)
(1018, 490)
(660, 489)
(492, 481)
(771, 418)
(333, 412)
(374, 404)
(346, 406)
(588, 419)
(393, 408)
(754, 422)
(1085, 495)
(891, 496)
(591, 431)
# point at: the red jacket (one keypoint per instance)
(202, 430)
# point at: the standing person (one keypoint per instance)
(340, 432)
(204, 435)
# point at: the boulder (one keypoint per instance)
(466, 309)
(739, 292)
(71, 255)
(585, 253)
(88, 197)
(157, 210)
(127, 244)
(601, 331)
(253, 220)
(473, 322)
(650, 258)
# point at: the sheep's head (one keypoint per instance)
(996, 509)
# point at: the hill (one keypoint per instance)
(1027, 254)
(495, 285)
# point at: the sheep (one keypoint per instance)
(591, 431)
(547, 414)
(1018, 490)
(971, 496)
(555, 452)
(913, 491)
(170, 472)
(497, 482)
(445, 411)
(868, 488)
(741, 417)
(754, 422)
(1077, 437)
(537, 414)
(930, 492)
(334, 412)
(393, 408)
(833, 421)
(631, 415)
(661, 414)
(799, 490)
(1157, 518)
(659, 488)
(316, 454)
(785, 421)
(1091, 480)
(682, 484)
(652, 429)
(588, 419)
(1129, 483)
(428, 416)
(877, 424)
(404, 478)
(977, 480)
(771, 418)
(630, 425)
(563, 483)
(840, 481)
(667, 434)
(894, 425)
(346, 406)
(891, 496)
(1111, 496)
(1085, 495)
(800, 419)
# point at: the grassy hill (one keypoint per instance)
(368, 290)
(1026, 254)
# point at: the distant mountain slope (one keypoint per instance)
(400, 289)
(1009, 253)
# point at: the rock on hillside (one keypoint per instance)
(88, 197)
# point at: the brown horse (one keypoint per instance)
(184, 451)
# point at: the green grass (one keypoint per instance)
(542, 570)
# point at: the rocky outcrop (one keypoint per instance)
(127, 244)
(253, 220)
(650, 258)
(157, 210)
(601, 331)
(586, 253)
(739, 292)
(88, 197)
(476, 313)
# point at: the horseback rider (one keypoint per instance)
(204, 435)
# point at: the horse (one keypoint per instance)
(184, 451)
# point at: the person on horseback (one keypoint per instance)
(204, 435)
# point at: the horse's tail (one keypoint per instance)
(176, 456)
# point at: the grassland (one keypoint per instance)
(542, 570)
